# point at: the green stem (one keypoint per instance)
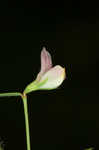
(10, 94)
(24, 97)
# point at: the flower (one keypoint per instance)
(49, 77)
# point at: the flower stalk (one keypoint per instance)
(24, 98)
(10, 94)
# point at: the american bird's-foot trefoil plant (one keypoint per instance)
(48, 78)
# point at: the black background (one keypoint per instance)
(66, 118)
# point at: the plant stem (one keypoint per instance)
(24, 97)
(10, 94)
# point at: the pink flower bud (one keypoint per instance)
(49, 77)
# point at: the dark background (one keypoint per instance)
(66, 118)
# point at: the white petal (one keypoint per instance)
(55, 76)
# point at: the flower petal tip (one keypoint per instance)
(44, 49)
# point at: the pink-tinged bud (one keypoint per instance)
(49, 77)
(46, 63)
